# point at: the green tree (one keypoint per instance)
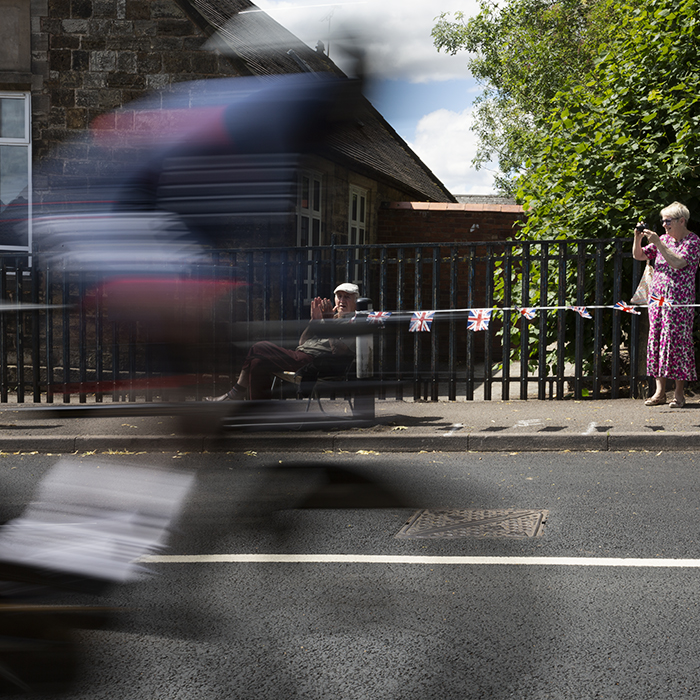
(626, 141)
(523, 52)
(623, 142)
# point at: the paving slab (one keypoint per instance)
(600, 425)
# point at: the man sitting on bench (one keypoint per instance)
(266, 359)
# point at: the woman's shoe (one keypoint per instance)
(677, 403)
(656, 401)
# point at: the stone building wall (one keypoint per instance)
(92, 56)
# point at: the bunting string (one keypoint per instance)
(478, 318)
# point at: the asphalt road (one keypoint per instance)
(605, 604)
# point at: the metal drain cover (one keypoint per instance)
(474, 523)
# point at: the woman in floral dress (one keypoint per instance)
(675, 255)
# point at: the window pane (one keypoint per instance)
(317, 195)
(304, 232)
(362, 210)
(316, 224)
(14, 188)
(304, 192)
(353, 215)
(11, 118)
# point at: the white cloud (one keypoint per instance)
(396, 36)
(445, 142)
(396, 33)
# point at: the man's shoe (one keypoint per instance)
(228, 396)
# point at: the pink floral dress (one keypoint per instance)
(670, 351)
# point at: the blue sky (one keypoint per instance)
(426, 96)
(404, 103)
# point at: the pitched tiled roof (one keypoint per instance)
(260, 46)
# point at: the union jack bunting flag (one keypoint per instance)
(421, 321)
(529, 314)
(478, 319)
(623, 306)
(658, 300)
(581, 310)
(378, 316)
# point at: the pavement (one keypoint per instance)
(398, 426)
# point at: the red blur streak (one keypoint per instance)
(107, 386)
(149, 127)
(138, 293)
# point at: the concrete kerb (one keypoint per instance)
(353, 442)
(678, 442)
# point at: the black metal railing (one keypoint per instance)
(63, 341)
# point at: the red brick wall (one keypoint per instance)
(427, 222)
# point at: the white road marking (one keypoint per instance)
(590, 430)
(425, 560)
(453, 429)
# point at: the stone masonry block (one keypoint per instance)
(62, 41)
(81, 9)
(50, 25)
(76, 118)
(174, 27)
(149, 62)
(121, 43)
(59, 59)
(56, 117)
(145, 28)
(158, 81)
(121, 27)
(59, 8)
(40, 68)
(93, 79)
(176, 63)
(126, 62)
(80, 61)
(125, 80)
(109, 99)
(103, 60)
(93, 44)
(40, 104)
(56, 134)
(87, 98)
(168, 44)
(138, 9)
(75, 26)
(131, 95)
(165, 9)
(63, 98)
(71, 79)
(104, 8)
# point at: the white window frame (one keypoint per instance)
(358, 219)
(24, 140)
(310, 224)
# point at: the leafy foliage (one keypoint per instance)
(625, 142)
(523, 53)
(622, 143)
